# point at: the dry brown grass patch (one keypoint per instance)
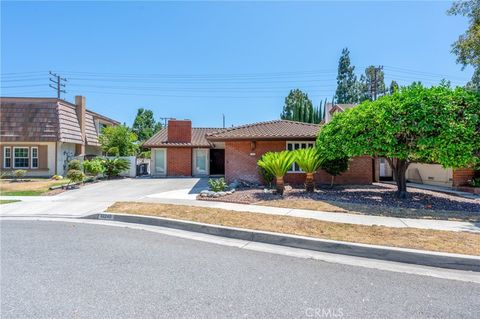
(435, 240)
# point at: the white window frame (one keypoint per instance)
(5, 157)
(14, 157)
(31, 157)
(308, 144)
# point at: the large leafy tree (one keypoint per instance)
(118, 140)
(467, 47)
(346, 80)
(145, 125)
(298, 107)
(415, 124)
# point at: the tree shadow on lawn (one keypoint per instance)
(382, 201)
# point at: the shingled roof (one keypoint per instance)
(45, 120)
(198, 138)
(272, 130)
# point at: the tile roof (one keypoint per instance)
(198, 138)
(272, 130)
(45, 120)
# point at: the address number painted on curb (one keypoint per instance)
(105, 216)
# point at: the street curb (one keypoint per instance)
(409, 256)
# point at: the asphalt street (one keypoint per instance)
(69, 270)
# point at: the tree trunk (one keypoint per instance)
(400, 170)
(280, 185)
(309, 184)
(332, 180)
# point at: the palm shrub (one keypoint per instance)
(278, 164)
(309, 161)
(114, 166)
(335, 167)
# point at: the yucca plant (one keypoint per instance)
(309, 161)
(277, 163)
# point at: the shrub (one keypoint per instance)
(4, 174)
(19, 173)
(74, 164)
(75, 176)
(94, 167)
(217, 185)
(278, 164)
(113, 167)
(475, 182)
(266, 176)
(335, 167)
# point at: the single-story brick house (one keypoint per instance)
(183, 150)
(40, 135)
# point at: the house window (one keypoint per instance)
(7, 157)
(34, 157)
(291, 146)
(20, 157)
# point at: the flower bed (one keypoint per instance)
(377, 199)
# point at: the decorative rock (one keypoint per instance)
(216, 195)
(205, 191)
(222, 193)
(203, 195)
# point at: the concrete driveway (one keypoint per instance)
(95, 198)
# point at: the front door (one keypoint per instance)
(200, 158)
(217, 162)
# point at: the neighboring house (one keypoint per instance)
(41, 135)
(180, 150)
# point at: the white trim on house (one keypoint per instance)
(33, 157)
(5, 157)
(23, 157)
(295, 169)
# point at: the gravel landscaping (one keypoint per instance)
(376, 199)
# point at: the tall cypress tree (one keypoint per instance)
(346, 80)
(298, 107)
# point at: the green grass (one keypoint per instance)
(23, 193)
(7, 201)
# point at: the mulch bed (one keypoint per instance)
(380, 195)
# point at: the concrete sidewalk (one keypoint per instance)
(327, 216)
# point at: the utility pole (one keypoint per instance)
(57, 83)
(375, 81)
(223, 115)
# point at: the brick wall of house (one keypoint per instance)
(179, 131)
(462, 176)
(241, 164)
(179, 161)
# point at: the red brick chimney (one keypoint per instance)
(179, 131)
(81, 110)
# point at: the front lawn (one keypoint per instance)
(435, 240)
(32, 187)
(377, 199)
(7, 201)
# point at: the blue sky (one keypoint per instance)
(198, 60)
